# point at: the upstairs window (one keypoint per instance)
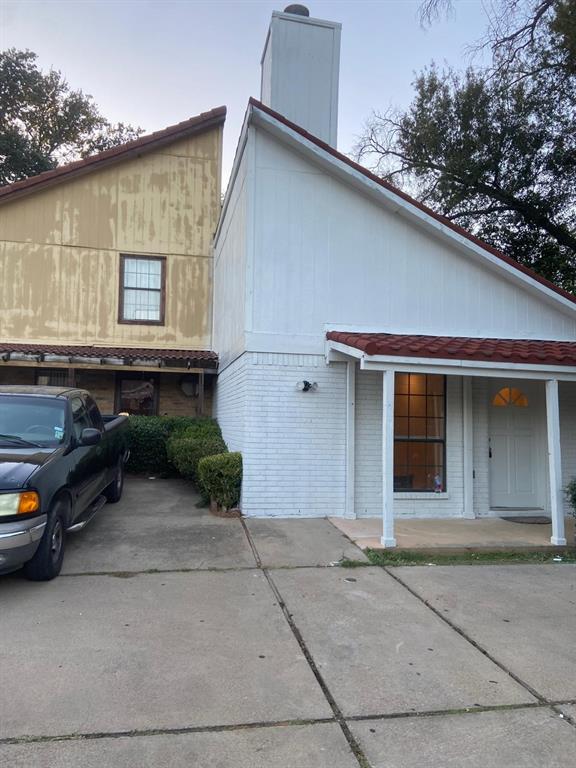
(142, 290)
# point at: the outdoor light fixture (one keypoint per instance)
(307, 386)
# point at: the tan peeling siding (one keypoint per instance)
(60, 249)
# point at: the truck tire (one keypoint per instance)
(47, 561)
(113, 492)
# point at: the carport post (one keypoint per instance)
(555, 462)
(387, 539)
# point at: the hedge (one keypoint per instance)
(186, 451)
(220, 478)
(148, 437)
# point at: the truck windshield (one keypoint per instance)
(31, 421)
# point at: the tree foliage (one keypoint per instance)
(494, 148)
(43, 122)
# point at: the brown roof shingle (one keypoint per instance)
(527, 351)
(198, 357)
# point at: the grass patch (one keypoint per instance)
(347, 563)
(412, 557)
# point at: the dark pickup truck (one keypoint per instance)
(60, 461)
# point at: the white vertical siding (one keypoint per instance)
(369, 455)
(300, 70)
(230, 272)
(324, 253)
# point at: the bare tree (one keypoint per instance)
(512, 25)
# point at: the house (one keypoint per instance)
(375, 359)
(106, 272)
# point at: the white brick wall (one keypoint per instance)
(369, 452)
(293, 442)
(230, 403)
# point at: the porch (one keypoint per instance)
(481, 534)
(139, 381)
(463, 430)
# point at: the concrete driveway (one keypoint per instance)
(174, 638)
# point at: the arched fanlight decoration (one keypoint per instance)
(510, 396)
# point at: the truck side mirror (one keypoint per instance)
(90, 436)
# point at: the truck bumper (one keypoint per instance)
(19, 541)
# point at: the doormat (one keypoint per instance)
(528, 520)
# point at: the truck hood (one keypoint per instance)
(18, 464)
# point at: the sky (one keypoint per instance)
(153, 64)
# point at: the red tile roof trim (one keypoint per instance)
(527, 351)
(391, 188)
(148, 143)
(207, 358)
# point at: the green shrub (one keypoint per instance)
(199, 429)
(570, 492)
(186, 452)
(148, 437)
(220, 478)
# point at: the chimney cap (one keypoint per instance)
(297, 9)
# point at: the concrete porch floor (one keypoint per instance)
(479, 534)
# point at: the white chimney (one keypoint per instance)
(300, 69)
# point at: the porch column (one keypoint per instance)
(387, 539)
(468, 457)
(201, 393)
(555, 462)
(350, 509)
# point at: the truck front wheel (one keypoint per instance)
(47, 562)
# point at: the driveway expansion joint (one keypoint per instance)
(136, 733)
(532, 691)
(179, 731)
(473, 710)
(157, 571)
(210, 569)
(338, 715)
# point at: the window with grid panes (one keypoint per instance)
(142, 281)
(419, 432)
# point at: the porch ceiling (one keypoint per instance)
(514, 351)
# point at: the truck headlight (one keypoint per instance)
(19, 503)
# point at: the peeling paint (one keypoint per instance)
(60, 249)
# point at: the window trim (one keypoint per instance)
(121, 289)
(444, 440)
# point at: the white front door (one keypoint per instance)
(514, 440)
